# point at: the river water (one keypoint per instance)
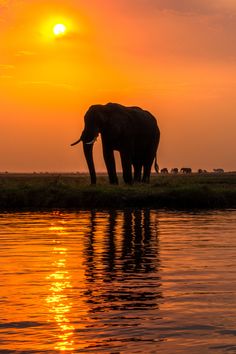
(129, 281)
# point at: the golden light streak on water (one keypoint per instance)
(60, 305)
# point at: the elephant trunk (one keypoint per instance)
(88, 153)
(76, 142)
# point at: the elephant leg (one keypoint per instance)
(137, 172)
(146, 173)
(126, 166)
(109, 159)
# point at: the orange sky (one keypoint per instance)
(174, 58)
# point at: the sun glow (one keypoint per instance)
(65, 26)
(59, 29)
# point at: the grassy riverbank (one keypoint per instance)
(68, 191)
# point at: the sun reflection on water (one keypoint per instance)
(58, 300)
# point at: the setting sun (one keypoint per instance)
(59, 29)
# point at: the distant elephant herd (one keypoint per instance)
(175, 171)
(187, 170)
(134, 133)
(183, 170)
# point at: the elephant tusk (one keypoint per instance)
(91, 142)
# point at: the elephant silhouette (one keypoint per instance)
(186, 170)
(130, 130)
(175, 171)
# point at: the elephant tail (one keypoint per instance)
(156, 165)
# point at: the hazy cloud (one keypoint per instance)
(48, 84)
(23, 53)
(6, 71)
(6, 76)
(70, 35)
(183, 6)
(3, 3)
(6, 67)
(190, 6)
(196, 29)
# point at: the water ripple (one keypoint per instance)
(126, 281)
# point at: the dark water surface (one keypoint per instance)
(140, 281)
